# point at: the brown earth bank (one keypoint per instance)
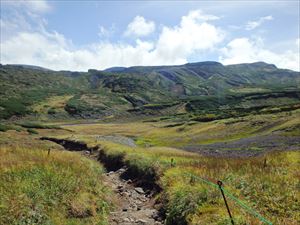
(135, 192)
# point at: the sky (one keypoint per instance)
(82, 35)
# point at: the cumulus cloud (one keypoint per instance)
(140, 27)
(26, 40)
(245, 50)
(256, 23)
(173, 46)
(198, 15)
(193, 34)
(52, 50)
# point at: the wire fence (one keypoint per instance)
(233, 198)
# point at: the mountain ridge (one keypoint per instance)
(143, 90)
(119, 68)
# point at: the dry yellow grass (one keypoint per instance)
(39, 189)
(272, 189)
(57, 102)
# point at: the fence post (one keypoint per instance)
(228, 210)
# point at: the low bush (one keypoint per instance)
(38, 125)
(206, 118)
(4, 127)
(32, 131)
(51, 111)
(12, 106)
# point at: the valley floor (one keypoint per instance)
(63, 187)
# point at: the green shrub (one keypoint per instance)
(206, 118)
(12, 107)
(51, 111)
(38, 125)
(32, 131)
(4, 127)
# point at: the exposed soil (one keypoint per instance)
(117, 139)
(134, 205)
(69, 145)
(248, 147)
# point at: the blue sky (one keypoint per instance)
(79, 35)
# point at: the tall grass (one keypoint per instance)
(268, 184)
(63, 188)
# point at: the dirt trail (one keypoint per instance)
(134, 205)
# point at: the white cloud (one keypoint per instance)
(245, 50)
(103, 32)
(198, 15)
(254, 24)
(54, 51)
(193, 34)
(30, 43)
(22, 16)
(140, 27)
(106, 33)
(298, 43)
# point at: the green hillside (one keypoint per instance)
(192, 89)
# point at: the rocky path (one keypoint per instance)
(134, 205)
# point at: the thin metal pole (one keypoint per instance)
(228, 210)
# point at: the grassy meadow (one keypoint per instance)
(192, 201)
(170, 132)
(62, 188)
(66, 188)
(268, 183)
